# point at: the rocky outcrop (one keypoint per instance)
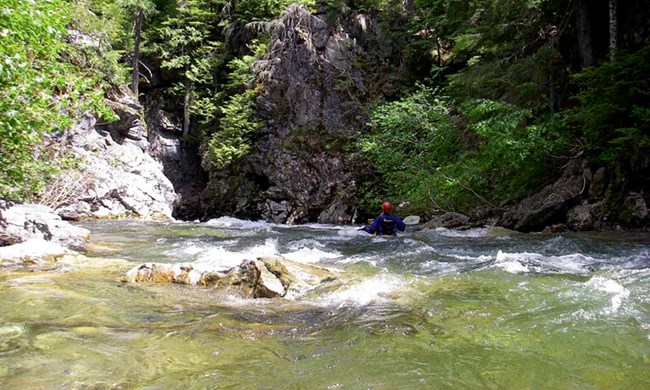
(261, 278)
(550, 205)
(20, 223)
(35, 237)
(180, 160)
(580, 201)
(119, 177)
(312, 101)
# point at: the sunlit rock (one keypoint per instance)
(118, 176)
(23, 222)
(163, 273)
(31, 253)
(261, 278)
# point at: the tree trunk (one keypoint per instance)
(613, 29)
(187, 100)
(584, 33)
(410, 7)
(136, 52)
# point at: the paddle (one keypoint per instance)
(411, 220)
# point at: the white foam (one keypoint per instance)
(472, 233)
(481, 258)
(310, 255)
(511, 263)
(376, 289)
(219, 258)
(534, 262)
(619, 293)
(235, 223)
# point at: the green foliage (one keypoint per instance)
(417, 149)
(238, 123)
(412, 138)
(186, 45)
(514, 153)
(40, 92)
(98, 32)
(254, 10)
(614, 110)
(233, 140)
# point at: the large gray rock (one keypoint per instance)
(23, 222)
(121, 178)
(550, 205)
(583, 217)
(313, 100)
(450, 220)
(635, 211)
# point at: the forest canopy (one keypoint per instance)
(494, 96)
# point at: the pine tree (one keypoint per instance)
(188, 45)
(139, 9)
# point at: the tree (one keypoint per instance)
(187, 44)
(41, 91)
(613, 29)
(139, 9)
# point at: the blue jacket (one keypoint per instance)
(385, 225)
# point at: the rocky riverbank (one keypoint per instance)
(35, 238)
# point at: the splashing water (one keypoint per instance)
(434, 309)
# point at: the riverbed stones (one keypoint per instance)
(265, 277)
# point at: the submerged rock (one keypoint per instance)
(261, 278)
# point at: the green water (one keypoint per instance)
(429, 310)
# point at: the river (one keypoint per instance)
(433, 309)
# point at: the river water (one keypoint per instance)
(427, 310)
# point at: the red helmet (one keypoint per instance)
(387, 207)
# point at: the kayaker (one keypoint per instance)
(386, 224)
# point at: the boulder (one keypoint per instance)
(549, 206)
(451, 220)
(582, 217)
(635, 210)
(23, 222)
(261, 278)
(598, 185)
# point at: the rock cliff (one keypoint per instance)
(120, 178)
(312, 100)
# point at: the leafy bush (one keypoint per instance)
(412, 137)
(40, 92)
(487, 153)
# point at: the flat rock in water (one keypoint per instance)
(266, 277)
(34, 252)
